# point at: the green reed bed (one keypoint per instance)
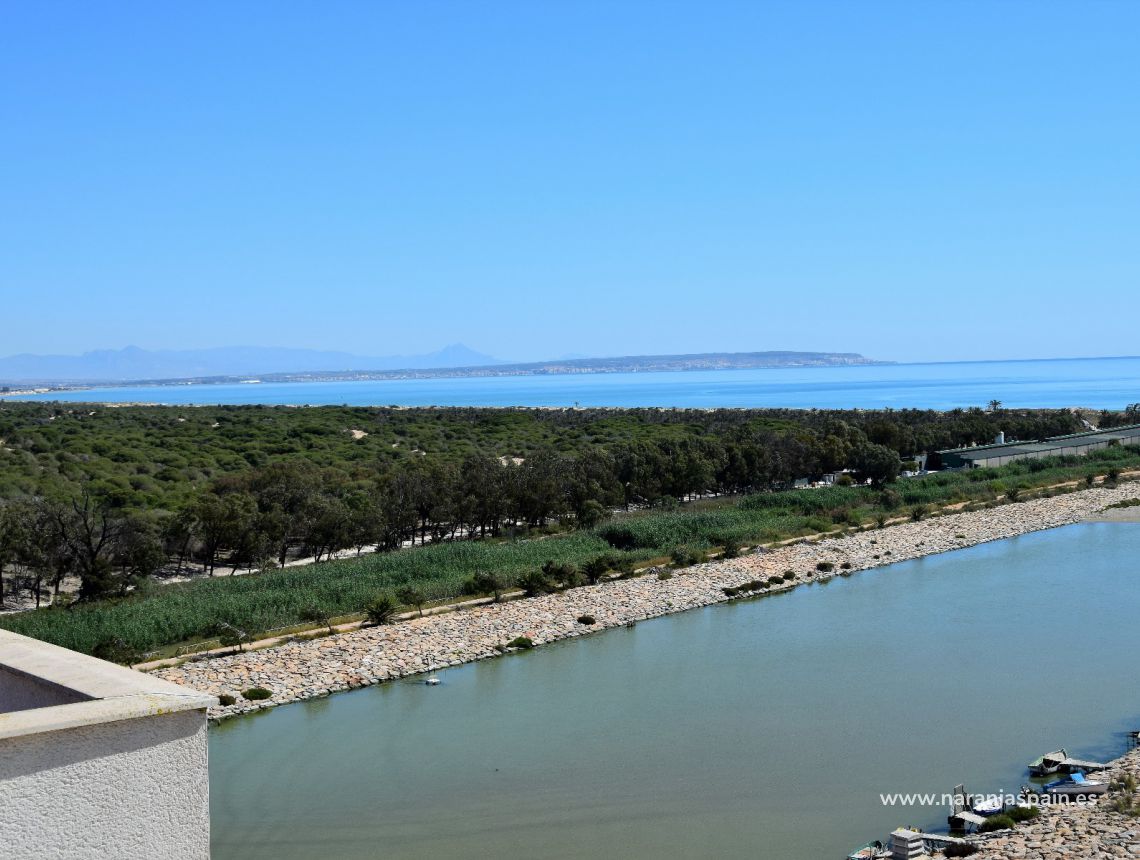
(161, 616)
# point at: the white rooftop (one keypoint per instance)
(45, 688)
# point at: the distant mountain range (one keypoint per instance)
(132, 363)
(293, 365)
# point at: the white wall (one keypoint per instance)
(134, 788)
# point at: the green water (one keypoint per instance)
(758, 729)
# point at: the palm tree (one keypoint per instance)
(994, 405)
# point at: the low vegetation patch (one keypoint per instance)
(997, 822)
(960, 849)
(1019, 814)
(256, 694)
(1127, 503)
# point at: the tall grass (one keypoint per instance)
(167, 615)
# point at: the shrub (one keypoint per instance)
(225, 700)
(256, 694)
(1022, 813)
(586, 619)
(919, 512)
(664, 574)
(484, 582)
(846, 565)
(685, 555)
(115, 650)
(381, 609)
(314, 614)
(731, 550)
(596, 568)
(729, 591)
(564, 575)
(745, 587)
(825, 567)
(960, 849)
(775, 580)
(535, 583)
(624, 568)
(521, 642)
(409, 595)
(232, 637)
(997, 822)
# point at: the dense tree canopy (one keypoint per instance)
(110, 494)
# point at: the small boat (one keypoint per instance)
(1074, 787)
(432, 682)
(987, 806)
(1048, 763)
(870, 851)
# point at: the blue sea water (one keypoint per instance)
(1101, 383)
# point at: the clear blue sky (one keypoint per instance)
(910, 180)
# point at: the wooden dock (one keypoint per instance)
(941, 840)
(1073, 764)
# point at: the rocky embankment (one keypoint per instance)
(1072, 831)
(306, 669)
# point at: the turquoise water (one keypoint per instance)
(758, 729)
(1108, 383)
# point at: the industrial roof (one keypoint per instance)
(1074, 440)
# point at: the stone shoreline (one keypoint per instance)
(306, 669)
(1068, 831)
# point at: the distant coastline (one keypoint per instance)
(1091, 384)
(621, 364)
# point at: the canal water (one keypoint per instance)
(766, 728)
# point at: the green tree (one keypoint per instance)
(409, 595)
(484, 582)
(314, 613)
(876, 463)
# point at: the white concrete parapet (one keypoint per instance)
(98, 761)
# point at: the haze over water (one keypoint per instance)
(1101, 383)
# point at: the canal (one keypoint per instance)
(764, 728)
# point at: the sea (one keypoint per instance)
(1095, 383)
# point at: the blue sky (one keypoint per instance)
(911, 180)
